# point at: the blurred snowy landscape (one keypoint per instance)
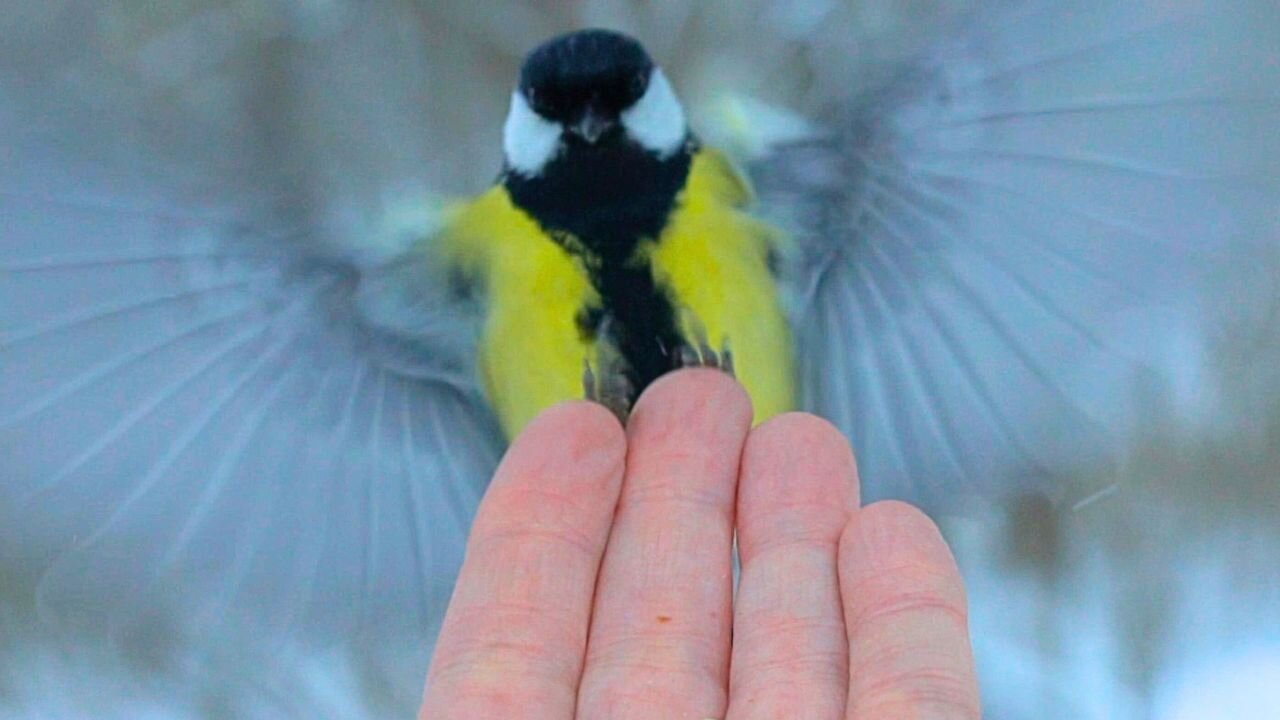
(1158, 599)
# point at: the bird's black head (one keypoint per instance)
(590, 87)
(585, 79)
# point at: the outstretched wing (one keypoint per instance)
(994, 242)
(232, 378)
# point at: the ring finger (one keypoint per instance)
(798, 489)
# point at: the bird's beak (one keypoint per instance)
(592, 126)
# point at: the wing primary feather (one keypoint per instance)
(98, 260)
(998, 326)
(1095, 106)
(214, 487)
(343, 436)
(956, 349)
(415, 511)
(918, 384)
(113, 365)
(880, 400)
(1070, 208)
(1092, 161)
(128, 421)
(250, 535)
(1001, 328)
(824, 262)
(193, 431)
(318, 492)
(1055, 58)
(99, 206)
(101, 312)
(372, 534)
(837, 328)
(1035, 294)
(453, 490)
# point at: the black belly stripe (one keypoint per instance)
(600, 203)
(643, 321)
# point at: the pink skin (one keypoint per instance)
(598, 580)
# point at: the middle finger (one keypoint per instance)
(659, 641)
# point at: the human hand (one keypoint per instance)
(598, 577)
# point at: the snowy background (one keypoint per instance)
(1160, 600)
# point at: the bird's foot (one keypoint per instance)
(611, 388)
(703, 356)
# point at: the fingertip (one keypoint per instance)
(906, 618)
(889, 533)
(577, 434)
(572, 454)
(695, 391)
(803, 423)
(592, 421)
(795, 441)
(798, 483)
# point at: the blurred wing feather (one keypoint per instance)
(233, 380)
(992, 243)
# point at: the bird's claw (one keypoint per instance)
(610, 388)
(703, 356)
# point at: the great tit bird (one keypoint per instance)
(614, 247)
(249, 367)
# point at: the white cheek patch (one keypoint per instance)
(529, 140)
(657, 121)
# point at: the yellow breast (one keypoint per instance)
(712, 260)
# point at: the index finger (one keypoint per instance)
(516, 630)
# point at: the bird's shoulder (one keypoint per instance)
(477, 226)
(713, 177)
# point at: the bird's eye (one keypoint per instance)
(638, 83)
(540, 102)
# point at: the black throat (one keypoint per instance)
(599, 202)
